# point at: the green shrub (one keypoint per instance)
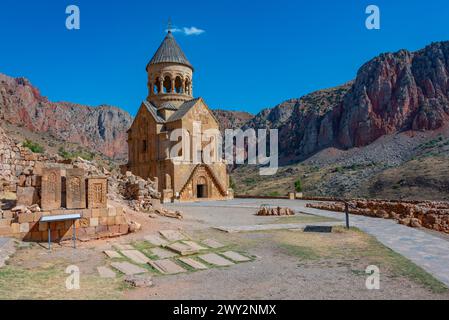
(33, 146)
(69, 155)
(298, 186)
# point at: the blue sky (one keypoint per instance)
(252, 55)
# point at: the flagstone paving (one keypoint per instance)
(214, 244)
(167, 266)
(156, 240)
(234, 256)
(193, 263)
(216, 260)
(112, 254)
(182, 248)
(266, 227)
(162, 253)
(136, 256)
(172, 235)
(128, 268)
(194, 245)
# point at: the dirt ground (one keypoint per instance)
(285, 265)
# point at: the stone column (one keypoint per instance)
(173, 81)
(161, 85)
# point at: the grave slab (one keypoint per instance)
(156, 240)
(193, 263)
(112, 254)
(194, 245)
(172, 235)
(234, 256)
(135, 256)
(105, 272)
(167, 266)
(162, 253)
(182, 248)
(214, 244)
(216, 260)
(123, 246)
(128, 268)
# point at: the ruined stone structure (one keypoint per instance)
(170, 106)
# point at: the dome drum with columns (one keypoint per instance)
(169, 75)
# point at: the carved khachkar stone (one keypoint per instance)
(97, 193)
(75, 189)
(51, 189)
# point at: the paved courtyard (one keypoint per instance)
(426, 250)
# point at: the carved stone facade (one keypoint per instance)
(183, 175)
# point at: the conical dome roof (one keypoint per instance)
(169, 51)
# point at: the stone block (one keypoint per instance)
(111, 221)
(94, 222)
(101, 229)
(84, 222)
(15, 227)
(90, 231)
(5, 231)
(103, 221)
(8, 215)
(120, 220)
(75, 189)
(86, 213)
(112, 211)
(24, 227)
(123, 228)
(25, 217)
(51, 189)
(97, 193)
(27, 196)
(114, 229)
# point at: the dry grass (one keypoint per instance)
(356, 250)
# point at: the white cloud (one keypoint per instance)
(192, 31)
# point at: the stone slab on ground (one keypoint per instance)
(172, 235)
(136, 256)
(166, 266)
(128, 268)
(7, 249)
(194, 245)
(139, 281)
(193, 263)
(112, 254)
(156, 240)
(182, 249)
(162, 253)
(120, 247)
(105, 272)
(216, 260)
(235, 256)
(214, 244)
(265, 227)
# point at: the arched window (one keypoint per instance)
(178, 85)
(187, 87)
(167, 84)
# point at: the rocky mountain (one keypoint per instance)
(231, 119)
(102, 128)
(392, 93)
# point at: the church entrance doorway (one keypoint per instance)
(201, 188)
(201, 191)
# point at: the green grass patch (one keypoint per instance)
(33, 146)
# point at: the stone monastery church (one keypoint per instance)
(169, 106)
